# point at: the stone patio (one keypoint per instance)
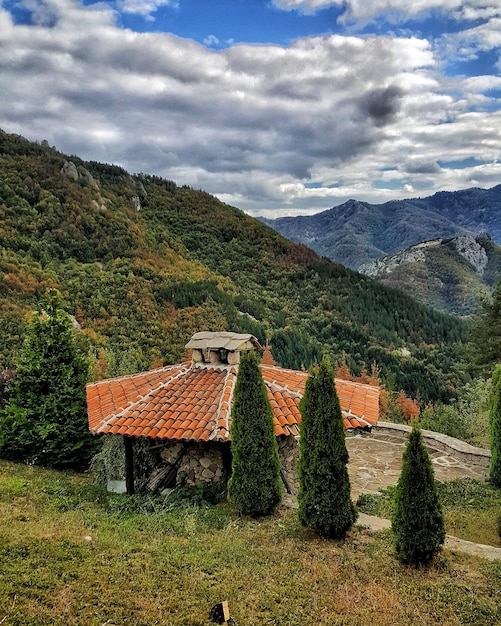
(376, 461)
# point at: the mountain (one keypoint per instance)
(142, 263)
(451, 275)
(355, 233)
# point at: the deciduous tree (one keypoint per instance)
(255, 485)
(417, 522)
(325, 503)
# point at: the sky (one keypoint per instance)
(278, 107)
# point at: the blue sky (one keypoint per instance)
(279, 107)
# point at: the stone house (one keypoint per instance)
(173, 423)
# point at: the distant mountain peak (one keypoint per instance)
(355, 233)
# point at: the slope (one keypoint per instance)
(142, 264)
(452, 275)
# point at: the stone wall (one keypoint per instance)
(160, 464)
(288, 452)
(475, 457)
(201, 464)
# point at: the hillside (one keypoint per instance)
(451, 275)
(355, 233)
(142, 264)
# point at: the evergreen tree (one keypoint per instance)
(255, 485)
(45, 419)
(495, 427)
(417, 522)
(325, 503)
(488, 330)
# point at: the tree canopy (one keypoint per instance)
(495, 427)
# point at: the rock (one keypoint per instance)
(472, 251)
(136, 203)
(88, 178)
(69, 169)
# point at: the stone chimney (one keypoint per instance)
(213, 349)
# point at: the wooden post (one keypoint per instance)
(129, 465)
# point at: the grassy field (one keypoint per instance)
(72, 555)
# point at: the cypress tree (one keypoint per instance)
(417, 522)
(487, 331)
(255, 485)
(495, 427)
(324, 498)
(45, 419)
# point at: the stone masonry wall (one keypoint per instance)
(288, 452)
(201, 464)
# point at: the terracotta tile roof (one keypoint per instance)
(194, 403)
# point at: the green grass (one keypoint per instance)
(471, 509)
(73, 555)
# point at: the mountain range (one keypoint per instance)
(384, 241)
(355, 232)
(453, 274)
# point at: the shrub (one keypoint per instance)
(417, 521)
(325, 503)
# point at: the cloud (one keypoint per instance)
(211, 41)
(144, 7)
(364, 11)
(251, 123)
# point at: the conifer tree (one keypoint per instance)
(255, 485)
(45, 419)
(324, 498)
(417, 522)
(487, 332)
(495, 427)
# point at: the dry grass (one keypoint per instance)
(71, 555)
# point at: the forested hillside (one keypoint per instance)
(453, 275)
(142, 264)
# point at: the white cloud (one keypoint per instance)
(365, 11)
(144, 7)
(211, 41)
(363, 117)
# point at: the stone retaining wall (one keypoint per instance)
(477, 458)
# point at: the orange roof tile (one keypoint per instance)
(194, 403)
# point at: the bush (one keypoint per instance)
(417, 521)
